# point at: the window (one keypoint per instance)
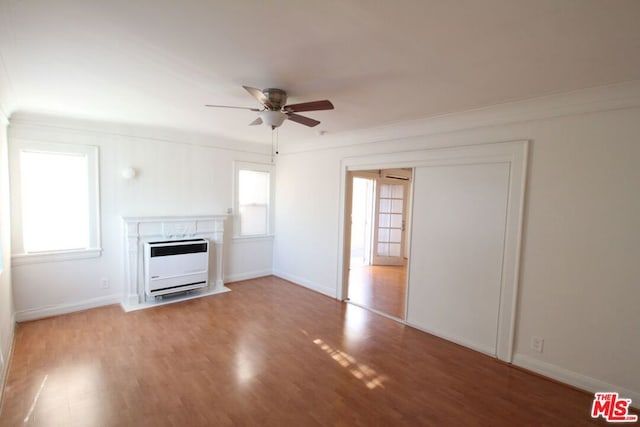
(56, 190)
(253, 195)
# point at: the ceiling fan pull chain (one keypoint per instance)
(272, 147)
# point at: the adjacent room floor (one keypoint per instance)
(379, 287)
(267, 353)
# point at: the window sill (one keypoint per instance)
(248, 239)
(42, 257)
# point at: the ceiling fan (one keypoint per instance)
(274, 110)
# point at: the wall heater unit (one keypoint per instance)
(175, 266)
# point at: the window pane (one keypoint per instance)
(55, 201)
(396, 221)
(397, 191)
(385, 205)
(253, 201)
(383, 249)
(385, 191)
(395, 236)
(384, 220)
(394, 249)
(396, 206)
(253, 219)
(253, 187)
(383, 235)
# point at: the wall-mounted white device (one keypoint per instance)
(175, 266)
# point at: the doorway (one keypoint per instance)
(378, 257)
(467, 203)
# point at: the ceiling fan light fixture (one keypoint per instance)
(273, 119)
(274, 111)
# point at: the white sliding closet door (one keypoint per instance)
(457, 249)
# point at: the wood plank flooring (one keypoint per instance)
(268, 353)
(380, 287)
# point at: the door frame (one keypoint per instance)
(514, 153)
(372, 177)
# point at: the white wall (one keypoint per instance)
(6, 297)
(248, 258)
(178, 175)
(305, 247)
(579, 270)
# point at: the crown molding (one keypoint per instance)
(601, 98)
(24, 120)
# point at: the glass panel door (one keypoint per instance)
(390, 222)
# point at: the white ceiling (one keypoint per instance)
(157, 62)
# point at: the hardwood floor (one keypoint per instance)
(379, 287)
(267, 353)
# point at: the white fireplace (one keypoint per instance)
(140, 230)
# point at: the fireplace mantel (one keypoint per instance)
(139, 230)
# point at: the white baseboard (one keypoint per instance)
(246, 276)
(573, 378)
(331, 292)
(55, 310)
(464, 343)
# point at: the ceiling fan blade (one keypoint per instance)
(257, 94)
(309, 106)
(229, 106)
(257, 121)
(303, 120)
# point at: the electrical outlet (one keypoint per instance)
(537, 343)
(104, 283)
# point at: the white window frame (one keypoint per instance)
(94, 250)
(256, 167)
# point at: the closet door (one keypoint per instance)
(459, 220)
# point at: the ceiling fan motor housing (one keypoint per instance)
(277, 98)
(276, 110)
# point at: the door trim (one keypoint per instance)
(515, 154)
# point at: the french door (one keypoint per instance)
(390, 220)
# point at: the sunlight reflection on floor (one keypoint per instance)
(355, 325)
(361, 371)
(69, 389)
(35, 399)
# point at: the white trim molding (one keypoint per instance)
(20, 253)
(465, 343)
(252, 239)
(325, 290)
(41, 257)
(246, 276)
(51, 124)
(254, 167)
(58, 309)
(572, 378)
